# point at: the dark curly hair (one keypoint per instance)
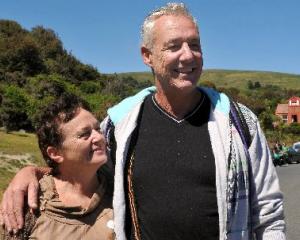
(48, 123)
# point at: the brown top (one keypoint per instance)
(57, 221)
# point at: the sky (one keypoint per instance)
(261, 35)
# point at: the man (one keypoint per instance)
(181, 168)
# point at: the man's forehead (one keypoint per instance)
(178, 37)
(173, 24)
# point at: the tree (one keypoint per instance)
(257, 85)
(10, 28)
(44, 85)
(48, 42)
(267, 119)
(293, 128)
(20, 54)
(13, 109)
(250, 84)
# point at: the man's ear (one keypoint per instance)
(147, 56)
(55, 154)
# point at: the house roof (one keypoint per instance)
(294, 99)
(282, 109)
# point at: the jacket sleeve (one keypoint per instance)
(108, 128)
(266, 198)
(108, 169)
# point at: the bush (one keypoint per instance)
(13, 113)
(89, 87)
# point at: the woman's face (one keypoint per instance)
(83, 143)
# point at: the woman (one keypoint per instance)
(75, 200)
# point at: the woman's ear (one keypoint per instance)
(147, 56)
(54, 154)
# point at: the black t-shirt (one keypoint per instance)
(174, 175)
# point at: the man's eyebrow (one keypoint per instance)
(195, 39)
(175, 40)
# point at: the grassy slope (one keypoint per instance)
(22, 149)
(237, 79)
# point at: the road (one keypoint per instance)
(289, 177)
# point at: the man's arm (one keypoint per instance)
(266, 197)
(25, 183)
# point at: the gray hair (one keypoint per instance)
(174, 9)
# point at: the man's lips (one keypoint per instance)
(185, 70)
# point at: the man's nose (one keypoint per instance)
(186, 54)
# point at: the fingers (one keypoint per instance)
(9, 218)
(33, 195)
(1, 217)
(11, 213)
(18, 206)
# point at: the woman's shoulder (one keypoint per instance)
(47, 187)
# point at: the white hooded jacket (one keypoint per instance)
(254, 211)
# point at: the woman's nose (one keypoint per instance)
(97, 136)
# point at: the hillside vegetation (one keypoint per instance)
(35, 68)
(236, 79)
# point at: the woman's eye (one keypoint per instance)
(99, 131)
(84, 134)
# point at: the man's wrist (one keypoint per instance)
(39, 172)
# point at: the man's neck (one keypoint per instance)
(178, 104)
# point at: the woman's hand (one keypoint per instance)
(25, 183)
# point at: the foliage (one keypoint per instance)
(250, 85)
(48, 42)
(208, 84)
(100, 103)
(240, 79)
(90, 87)
(293, 128)
(13, 109)
(35, 68)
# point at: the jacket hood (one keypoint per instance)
(116, 113)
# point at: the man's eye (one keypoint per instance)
(195, 47)
(174, 47)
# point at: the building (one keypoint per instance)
(289, 112)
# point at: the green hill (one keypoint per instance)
(235, 78)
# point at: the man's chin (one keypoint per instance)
(185, 84)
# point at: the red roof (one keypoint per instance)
(282, 109)
(294, 99)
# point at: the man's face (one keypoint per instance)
(176, 56)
